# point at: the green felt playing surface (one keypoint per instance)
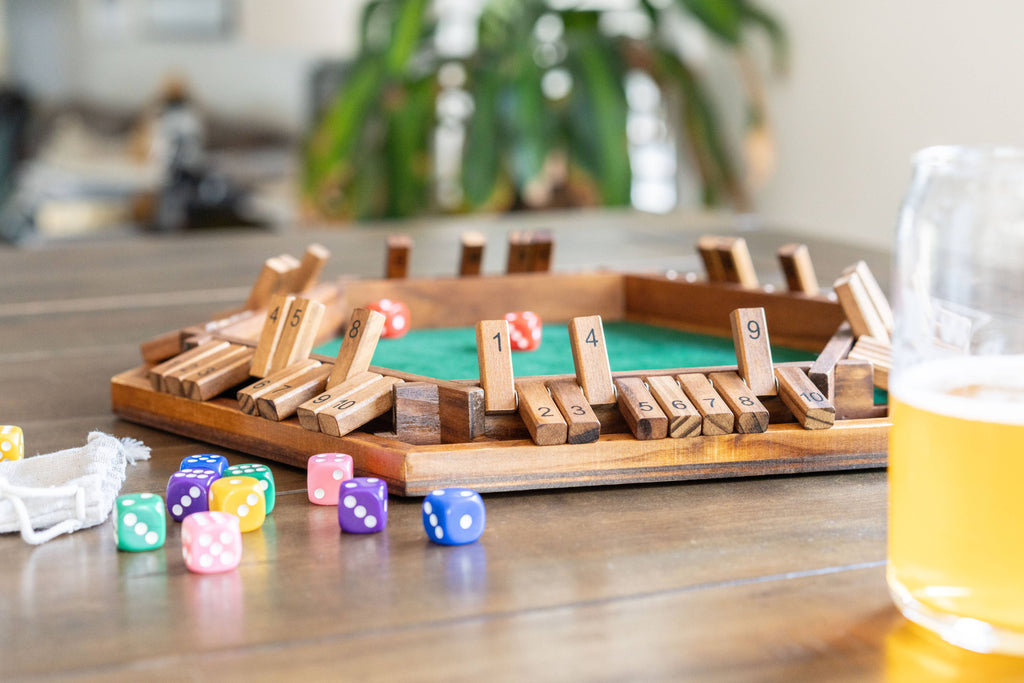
(450, 353)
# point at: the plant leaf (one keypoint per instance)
(481, 162)
(405, 36)
(721, 17)
(773, 29)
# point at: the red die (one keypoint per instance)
(524, 330)
(396, 315)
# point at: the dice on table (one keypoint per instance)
(524, 330)
(217, 463)
(454, 516)
(139, 521)
(396, 317)
(188, 491)
(261, 473)
(363, 505)
(324, 474)
(242, 497)
(211, 542)
(12, 443)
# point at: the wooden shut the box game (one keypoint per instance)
(250, 381)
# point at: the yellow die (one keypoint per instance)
(12, 443)
(241, 496)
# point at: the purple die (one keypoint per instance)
(188, 491)
(206, 461)
(454, 516)
(363, 505)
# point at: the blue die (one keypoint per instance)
(207, 461)
(454, 516)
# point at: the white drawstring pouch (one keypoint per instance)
(48, 495)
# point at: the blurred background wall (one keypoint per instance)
(869, 82)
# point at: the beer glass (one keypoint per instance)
(956, 456)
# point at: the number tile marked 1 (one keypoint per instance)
(494, 355)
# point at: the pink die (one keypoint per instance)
(211, 542)
(524, 330)
(324, 474)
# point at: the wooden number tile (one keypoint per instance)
(494, 354)
(879, 354)
(751, 415)
(309, 410)
(185, 362)
(583, 425)
(270, 335)
(683, 418)
(541, 415)
(858, 307)
(356, 409)
(283, 401)
(753, 352)
(798, 269)
(590, 356)
(358, 345)
(268, 283)
(854, 396)
(644, 416)
(736, 262)
(308, 272)
(707, 247)
(809, 406)
(461, 412)
(282, 379)
(540, 251)
(874, 292)
(471, 260)
(716, 418)
(397, 265)
(822, 371)
(518, 252)
(218, 373)
(301, 324)
(416, 413)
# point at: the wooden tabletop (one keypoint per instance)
(774, 578)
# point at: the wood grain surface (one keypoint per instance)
(776, 578)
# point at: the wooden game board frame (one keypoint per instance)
(494, 462)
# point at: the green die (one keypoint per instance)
(140, 522)
(260, 472)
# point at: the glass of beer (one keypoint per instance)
(956, 390)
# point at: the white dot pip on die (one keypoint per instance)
(465, 521)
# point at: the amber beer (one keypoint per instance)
(956, 496)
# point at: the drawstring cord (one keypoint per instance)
(17, 494)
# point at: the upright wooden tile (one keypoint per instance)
(751, 415)
(306, 275)
(590, 357)
(854, 396)
(461, 412)
(541, 250)
(357, 345)
(707, 247)
(737, 264)
(822, 371)
(540, 414)
(644, 416)
(716, 417)
(753, 351)
(875, 293)
(417, 420)
(268, 283)
(683, 418)
(278, 382)
(357, 408)
(270, 336)
(308, 411)
(301, 325)
(494, 356)
(471, 259)
(798, 269)
(879, 354)
(282, 402)
(398, 253)
(859, 308)
(583, 424)
(809, 406)
(518, 252)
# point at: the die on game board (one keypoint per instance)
(261, 473)
(454, 516)
(242, 497)
(188, 491)
(211, 542)
(12, 443)
(324, 474)
(396, 317)
(524, 330)
(139, 521)
(363, 505)
(217, 463)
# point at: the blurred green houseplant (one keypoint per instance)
(372, 152)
